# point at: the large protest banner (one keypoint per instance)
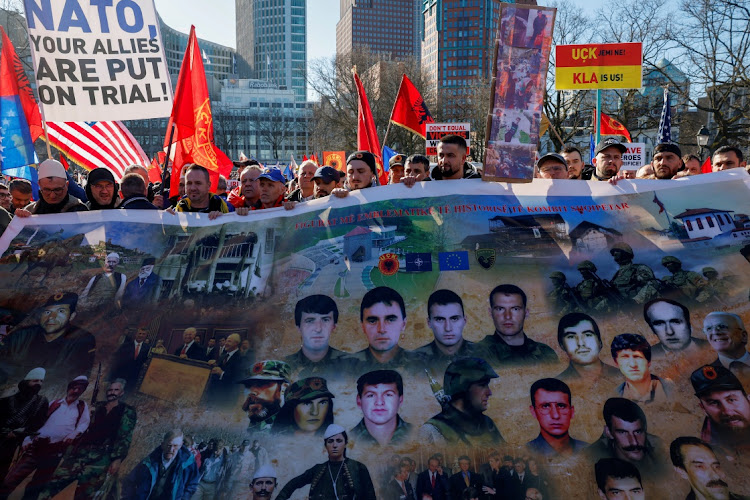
(98, 61)
(152, 298)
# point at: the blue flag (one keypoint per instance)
(418, 262)
(388, 153)
(453, 261)
(592, 148)
(665, 123)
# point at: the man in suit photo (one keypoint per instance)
(129, 358)
(464, 478)
(432, 483)
(190, 349)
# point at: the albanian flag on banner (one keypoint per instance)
(409, 110)
(334, 159)
(193, 140)
(610, 126)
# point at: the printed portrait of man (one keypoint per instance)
(728, 337)
(726, 403)
(264, 387)
(143, 291)
(618, 479)
(670, 322)
(579, 336)
(695, 461)
(380, 394)
(632, 355)
(552, 406)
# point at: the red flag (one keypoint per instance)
(193, 121)
(64, 162)
(13, 82)
(610, 126)
(154, 169)
(367, 133)
(707, 168)
(409, 110)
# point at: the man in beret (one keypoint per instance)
(105, 289)
(396, 168)
(727, 407)
(263, 483)
(21, 415)
(101, 190)
(361, 173)
(264, 386)
(667, 160)
(467, 383)
(62, 349)
(143, 291)
(53, 189)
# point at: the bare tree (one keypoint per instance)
(275, 127)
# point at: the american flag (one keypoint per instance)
(97, 144)
(665, 123)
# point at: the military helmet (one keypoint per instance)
(708, 270)
(670, 259)
(622, 247)
(557, 275)
(587, 265)
(463, 372)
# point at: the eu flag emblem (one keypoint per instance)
(453, 261)
(418, 262)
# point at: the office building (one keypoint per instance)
(390, 27)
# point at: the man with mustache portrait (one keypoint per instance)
(263, 483)
(265, 387)
(696, 461)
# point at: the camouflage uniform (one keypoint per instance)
(531, 352)
(334, 363)
(268, 370)
(635, 282)
(107, 439)
(717, 289)
(561, 296)
(452, 426)
(590, 291)
(689, 283)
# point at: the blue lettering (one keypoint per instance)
(42, 12)
(102, 5)
(73, 17)
(137, 15)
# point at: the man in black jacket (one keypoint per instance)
(134, 192)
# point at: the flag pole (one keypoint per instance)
(598, 115)
(166, 158)
(46, 138)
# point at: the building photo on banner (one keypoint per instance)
(356, 329)
(521, 329)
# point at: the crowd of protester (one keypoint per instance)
(266, 187)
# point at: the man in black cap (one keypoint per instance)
(325, 179)
(396, 168)
(552, 166)
(452, 164)
(101, 190)
(361, 173)
(607, 160)
(143, 291)
(667, 160)
(61, 348)
(467, 383)
(727, 407)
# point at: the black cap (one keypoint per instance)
(552, 156)
(61, 298)
(327, 174)
(397, 160)
(710, 378)
(100, 174)
(608, 143)
(366, 157)
(148, 261)
(668, 148)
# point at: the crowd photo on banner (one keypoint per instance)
(179, 324)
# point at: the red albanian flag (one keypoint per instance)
(409, 110)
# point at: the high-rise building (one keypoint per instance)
(390, 27)
(272, 43)
(458, 45)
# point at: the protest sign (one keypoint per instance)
(95, 61)
(524, 38)
(598, 66)
(349, 280)
(434, 131)
(635, 156)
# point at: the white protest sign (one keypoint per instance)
(635, 157)
(434, 131)
(98, 60)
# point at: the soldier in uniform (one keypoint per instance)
(380, 395)
(689, 284)
(591, 290)
(718, 289)
(264, 386)
(463, 421)
(100, 451)
(338, 478)
(561, 296)
(316, 317)
(635, 282)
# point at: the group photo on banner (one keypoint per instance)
(197, 327)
